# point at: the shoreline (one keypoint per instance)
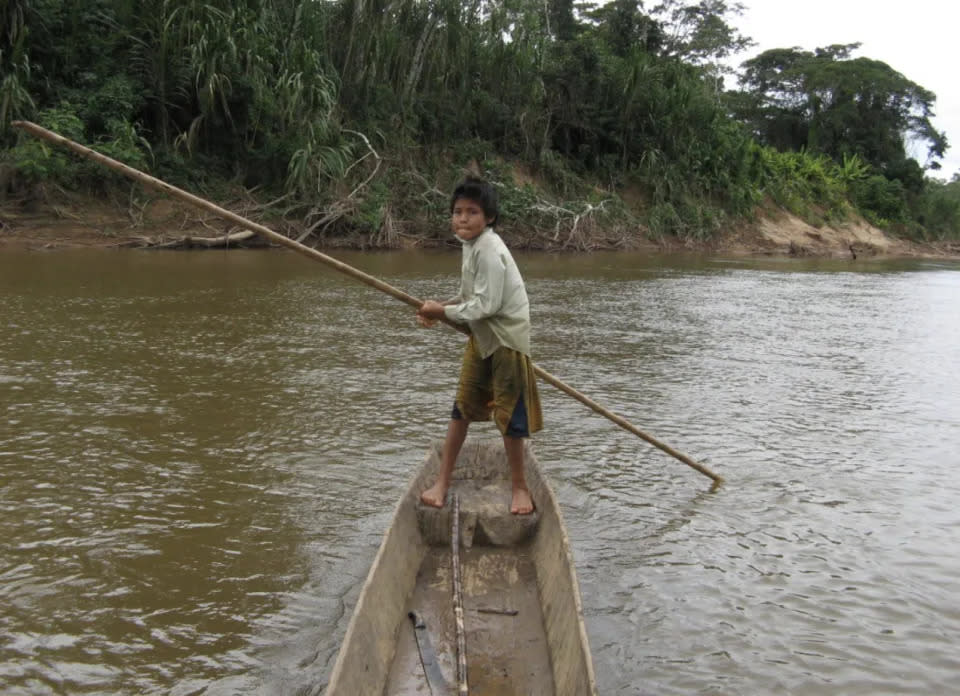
(103, 226)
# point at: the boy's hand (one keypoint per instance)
(431, 309)
(426, 323)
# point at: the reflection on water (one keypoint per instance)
(199, 452)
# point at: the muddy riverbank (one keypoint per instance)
(77, 223)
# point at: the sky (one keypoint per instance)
(918, 39)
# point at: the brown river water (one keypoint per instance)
(199, 453)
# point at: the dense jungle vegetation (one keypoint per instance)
(354, 117)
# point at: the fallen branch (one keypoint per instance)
(189, 242)
(582, 224)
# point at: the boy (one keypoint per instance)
(496, 373)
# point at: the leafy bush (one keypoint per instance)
(37, 162)
(881, 201)
(939, 209)
(813, 187)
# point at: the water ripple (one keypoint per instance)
(198, 455)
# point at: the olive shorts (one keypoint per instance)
(502, 385)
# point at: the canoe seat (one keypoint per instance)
(485, 517)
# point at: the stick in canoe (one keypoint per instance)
(266, 232)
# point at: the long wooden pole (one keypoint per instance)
(341, 267)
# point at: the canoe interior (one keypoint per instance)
(509, 564)
(506, 654)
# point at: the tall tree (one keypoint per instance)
(702, 33)
(828, 101)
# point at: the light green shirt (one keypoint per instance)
(492, 300)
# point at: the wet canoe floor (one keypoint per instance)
(506, 655)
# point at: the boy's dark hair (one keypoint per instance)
(478, 191)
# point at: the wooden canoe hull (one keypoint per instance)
(510, 563)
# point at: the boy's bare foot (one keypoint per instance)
(522, 503)
(435, 496)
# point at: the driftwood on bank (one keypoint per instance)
(241, 239)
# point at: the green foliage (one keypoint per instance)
(38, 162)
(556, 170)
(663, 220)
(881, 200)
(939, 209)
(319, 161)
(125, 144)
(828, 102)
(373, 207)
(701, 32)
(116, 101)
(15, 97)
(851, 170)
(808, 185)
(293, 96)
(517, 202)
(15, 100)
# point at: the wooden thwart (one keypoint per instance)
(346, 269)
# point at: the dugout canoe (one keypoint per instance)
(523, 617)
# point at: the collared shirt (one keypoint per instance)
(492, 299)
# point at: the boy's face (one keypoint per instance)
(468, 219)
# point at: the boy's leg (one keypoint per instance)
(522, 503)
(436, 495)
(508, 388)
(473, 393)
